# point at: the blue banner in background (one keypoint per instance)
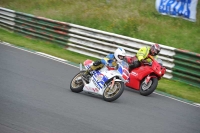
(178, 8)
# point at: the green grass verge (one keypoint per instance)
(41, 46)
(134, 18)
(175, 88)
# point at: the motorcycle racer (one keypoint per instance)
(110, 59)
(142, 55)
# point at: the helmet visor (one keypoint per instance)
(154, 51)
(120, 57)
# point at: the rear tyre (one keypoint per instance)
(110, 95)
(77, 84)
(147, 89)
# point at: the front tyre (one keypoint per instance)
(147, 89)
(77, 84)
(110, 95)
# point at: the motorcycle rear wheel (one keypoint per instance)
(77, 84)
(147, 89)
(110, 95)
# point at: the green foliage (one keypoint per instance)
(138, 19)
(180, 89)
(42, 46)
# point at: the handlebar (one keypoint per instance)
(151, 57)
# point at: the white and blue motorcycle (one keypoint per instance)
(107, 82)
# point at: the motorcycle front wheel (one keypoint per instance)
(147, 89)
(110, 95)
(77, 84)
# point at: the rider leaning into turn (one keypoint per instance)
(110, 59)
(142, 55)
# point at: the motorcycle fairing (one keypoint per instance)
(99, 79)
(96, 84)
(120, 70)
(158, 69)
(88, 63)
(141, 72)
(137, 75)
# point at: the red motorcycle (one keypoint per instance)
(145, 78)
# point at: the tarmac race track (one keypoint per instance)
(35, 97)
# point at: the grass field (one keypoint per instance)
(134, 18)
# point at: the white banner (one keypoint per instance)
(178, 8)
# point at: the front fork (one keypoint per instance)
(111, 87)
(147, 79)
(113, 82)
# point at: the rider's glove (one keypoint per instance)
(146, 62)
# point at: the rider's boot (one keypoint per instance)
(87, 75)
